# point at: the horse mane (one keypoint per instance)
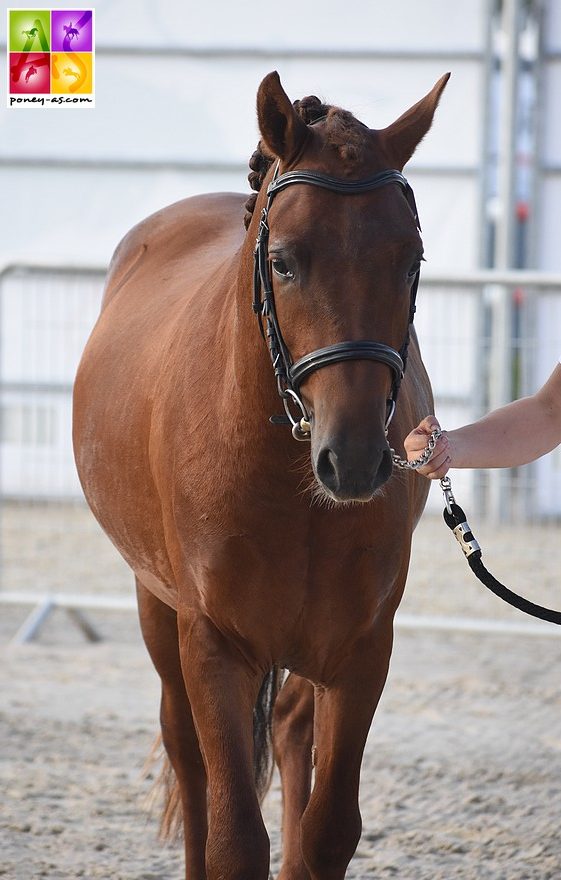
(343, 132)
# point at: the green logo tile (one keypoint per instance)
(30, 30)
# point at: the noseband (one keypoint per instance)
(290, 374)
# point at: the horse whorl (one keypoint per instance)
(309, 109)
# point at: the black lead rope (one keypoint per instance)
(456, 520)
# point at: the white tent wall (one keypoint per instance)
(175, 114)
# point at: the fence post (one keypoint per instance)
(500, 390)
(500, 374)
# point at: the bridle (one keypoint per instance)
(290, 374)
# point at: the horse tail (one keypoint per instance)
(262, 730)
(164, 794)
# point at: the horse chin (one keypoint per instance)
(324, 497)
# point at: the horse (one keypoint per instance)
(254, 557)
(71, 32)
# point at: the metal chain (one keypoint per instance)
(424, 457)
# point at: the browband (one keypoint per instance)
(335, 184)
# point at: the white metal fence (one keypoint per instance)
(485, 338)
(46, 315)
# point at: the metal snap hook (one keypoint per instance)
(449, 499)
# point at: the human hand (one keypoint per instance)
(415, 443)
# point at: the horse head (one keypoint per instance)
(341, 261)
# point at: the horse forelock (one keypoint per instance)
(346, 135)
(342, 132)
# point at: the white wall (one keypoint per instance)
(175, 96)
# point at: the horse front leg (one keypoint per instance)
(223, 685)
(331, 825)
(293, 730)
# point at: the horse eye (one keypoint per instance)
(280, 268)
(414, 269)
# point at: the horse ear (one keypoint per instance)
(403, 136)
(282, 130)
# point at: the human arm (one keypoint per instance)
(512, 435)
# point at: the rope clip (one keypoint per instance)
(449, 499)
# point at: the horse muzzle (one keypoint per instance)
(351, 471)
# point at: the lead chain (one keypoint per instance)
(424, 457)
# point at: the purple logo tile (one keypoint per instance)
(71, 30)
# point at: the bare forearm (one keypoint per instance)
(510, 436)
(507, 437)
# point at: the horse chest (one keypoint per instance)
(292, 599)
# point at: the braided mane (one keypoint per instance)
(343, 132)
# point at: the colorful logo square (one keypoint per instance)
(71, 73)
(29, 30)
(50, 57)
(30, 73)
(71, 30)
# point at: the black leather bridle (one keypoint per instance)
(290, 374)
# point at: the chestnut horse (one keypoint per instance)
(241, 570)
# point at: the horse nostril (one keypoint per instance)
(385, 468)
(327, 468)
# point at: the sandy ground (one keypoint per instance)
(462, 771)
